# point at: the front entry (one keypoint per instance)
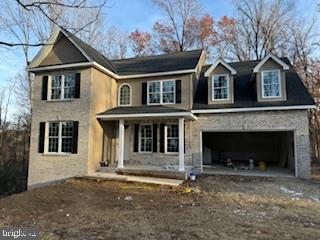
(127, 142)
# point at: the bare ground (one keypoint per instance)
(220, 207)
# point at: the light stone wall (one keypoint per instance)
(49, 167)
(293, 120)
(97, 94)
(158, 158)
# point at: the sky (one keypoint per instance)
(128, 15)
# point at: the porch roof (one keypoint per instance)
(136, 112)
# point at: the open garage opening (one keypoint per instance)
(249, 153)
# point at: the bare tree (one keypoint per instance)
(5, 98)
(304, 45)
(30, 23)
(141, 43)
(184, 26)
(113, 43)
(261, 27)
(52, 11)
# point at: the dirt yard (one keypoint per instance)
(218, 208)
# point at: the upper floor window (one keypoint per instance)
(63, 86)
(124, 95)
(161, 92)
(271, 86)
(220, 87)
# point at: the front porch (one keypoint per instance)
(148, 143)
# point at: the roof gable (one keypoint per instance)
(223, 63)
(63, 51)
(88, 53)
(284, 65)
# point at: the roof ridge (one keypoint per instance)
(156, 55)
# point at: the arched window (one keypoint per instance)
(124, 95)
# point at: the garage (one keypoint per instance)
(263, 153)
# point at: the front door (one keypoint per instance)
(127, 142)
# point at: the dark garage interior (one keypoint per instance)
(233, 150)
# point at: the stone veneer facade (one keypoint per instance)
(46, 167)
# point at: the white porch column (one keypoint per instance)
(181, 144)
(121, 144)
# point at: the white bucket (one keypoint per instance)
(193, 177)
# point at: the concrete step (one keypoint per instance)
(139, 179)
(153, 173)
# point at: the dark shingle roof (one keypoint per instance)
(141, 65)
(244, 91)
(142, 109)
(92, 53)
(158, 63)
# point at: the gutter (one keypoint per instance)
(253, 109)
(107, 71)
(146, 115)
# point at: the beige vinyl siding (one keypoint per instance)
(136, 89)
(103, 97)
(63, 52)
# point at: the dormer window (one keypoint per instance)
(271, 84)
(220, 87)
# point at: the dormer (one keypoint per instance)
(220, 82)
(271, 79)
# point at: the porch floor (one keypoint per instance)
(269, 172)
(140, 179)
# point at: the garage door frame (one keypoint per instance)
(252, 130)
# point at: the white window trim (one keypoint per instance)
(166, 139)
(46, 143)
(119, 93)
(145, 124)
(161, 92)
(49, 88)
(223, 63)
(262, 83)
(212, 88)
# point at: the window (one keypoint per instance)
(63, 86)
(172, 138)
(161, 92)
(220, 87)
(60, 137)
(271, 84)
(145, 138)
(124, 95)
